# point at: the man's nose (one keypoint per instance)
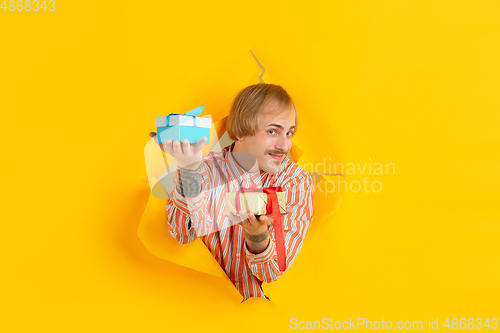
(282, 143)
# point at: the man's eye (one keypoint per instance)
(271, 131)
(290, 133)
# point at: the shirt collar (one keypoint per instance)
(237, 172)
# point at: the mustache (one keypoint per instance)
(277, 152)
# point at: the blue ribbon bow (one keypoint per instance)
(193, 113)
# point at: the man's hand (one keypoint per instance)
(188, 156)
(252, 224)
(256, 230)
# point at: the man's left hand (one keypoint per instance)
(254, 224)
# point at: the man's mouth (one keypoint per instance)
(277, 156)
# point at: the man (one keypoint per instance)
(262, 122)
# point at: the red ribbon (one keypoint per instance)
(271, 208)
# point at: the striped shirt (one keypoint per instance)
(202, 216)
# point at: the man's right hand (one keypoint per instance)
(188, 156)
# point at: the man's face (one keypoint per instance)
(273, 139)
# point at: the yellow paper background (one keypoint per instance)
(414, 83)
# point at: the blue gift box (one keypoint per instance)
(187, 126)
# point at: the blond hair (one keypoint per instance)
(248, 105)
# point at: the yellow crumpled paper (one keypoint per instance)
(153, 229)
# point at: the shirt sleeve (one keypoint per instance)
(300, 197)
(188, 218)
